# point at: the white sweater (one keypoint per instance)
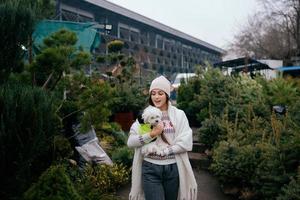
(184, 140)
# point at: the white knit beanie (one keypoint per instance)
(161, 83)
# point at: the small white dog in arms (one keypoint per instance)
(152, 116)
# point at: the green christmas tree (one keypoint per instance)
(53, 184)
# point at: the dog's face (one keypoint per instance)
(152, 115)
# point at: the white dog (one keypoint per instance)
(152, 116)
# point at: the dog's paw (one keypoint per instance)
(160, 153)
(153, 150)
(164, 152)
(144, 151)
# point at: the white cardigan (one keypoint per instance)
(183, 138)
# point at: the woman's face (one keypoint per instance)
(159, 99)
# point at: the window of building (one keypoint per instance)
(69, 13)
(159, 42)
(123, 33)
(134, 37)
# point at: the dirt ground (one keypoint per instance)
(208, 188)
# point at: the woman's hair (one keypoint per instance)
(151, 102)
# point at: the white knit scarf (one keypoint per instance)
(184, 138)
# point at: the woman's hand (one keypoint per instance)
(157, 130)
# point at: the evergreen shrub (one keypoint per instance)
(123, 155)
(269, 174)
(211, 132)
(101, 179)
(290, 191)
(54, 184)
(234, 164)
(28, 126)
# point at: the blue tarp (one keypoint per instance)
(288, 68)
(88, 37)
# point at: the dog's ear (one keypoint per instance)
(140, 118)
(144, 113)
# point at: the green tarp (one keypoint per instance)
(88, 37)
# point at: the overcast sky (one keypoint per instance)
(214, 21)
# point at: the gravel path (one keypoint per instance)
(208, 188)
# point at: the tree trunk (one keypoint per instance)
(47, 81)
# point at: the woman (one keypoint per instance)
(167, 176)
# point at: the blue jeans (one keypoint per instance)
(160, 182)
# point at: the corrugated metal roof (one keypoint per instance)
(128, 13)
(240, 63)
